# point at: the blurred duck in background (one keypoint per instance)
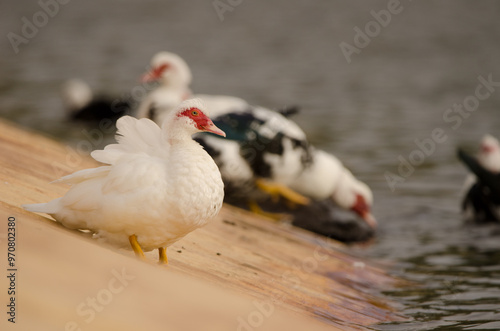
(265, 151)
(82, 105)
(481, 203)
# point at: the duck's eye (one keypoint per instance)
(194, 113)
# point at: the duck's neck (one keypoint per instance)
(177, 85)
(177, 137)
(175, 132)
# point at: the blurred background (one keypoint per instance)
(368, 110)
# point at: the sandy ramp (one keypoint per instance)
(240, 272)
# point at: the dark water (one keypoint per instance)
(396, 89)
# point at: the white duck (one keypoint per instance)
(488, 157)
(479, 204)
(264, 149)
(175, 77)
(158, 186)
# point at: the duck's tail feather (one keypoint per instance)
(48, 207)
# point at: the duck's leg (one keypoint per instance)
(255, 208)
(276, 190)
(162, 251)
(136, 247)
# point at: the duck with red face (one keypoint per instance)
(157, 186)
(481, 202)
(174, 76)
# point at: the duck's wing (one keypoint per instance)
(83, 175)
(79, 178)
(134, 136)
(116, 187)
(238, 126)
(270, 143)
(257, 123)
